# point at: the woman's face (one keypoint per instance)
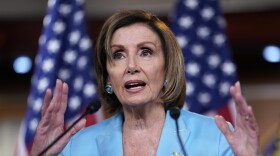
(137, 71)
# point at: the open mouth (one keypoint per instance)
(132, 85)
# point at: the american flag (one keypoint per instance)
(65, 52)
(200, 30)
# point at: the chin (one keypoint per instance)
(138, 102)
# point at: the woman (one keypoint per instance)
(140, 72)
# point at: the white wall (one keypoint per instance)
(9, 129)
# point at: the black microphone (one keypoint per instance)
(91, 108)
(175, 114)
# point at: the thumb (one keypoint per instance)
(81, 124)
(222, 124)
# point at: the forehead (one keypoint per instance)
(133, 33)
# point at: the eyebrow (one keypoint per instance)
(147, 42)
(116, 45)
(138, 45)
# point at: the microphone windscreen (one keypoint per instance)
(93, 107)
(174, 112)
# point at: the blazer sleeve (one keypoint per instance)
(81, 144)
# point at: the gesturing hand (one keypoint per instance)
(244, 140)
(52, 122)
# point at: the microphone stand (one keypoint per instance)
(93, 107)
(175, 114)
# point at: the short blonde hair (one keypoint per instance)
(174, 93)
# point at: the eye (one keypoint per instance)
(146, 52)
(119, 54)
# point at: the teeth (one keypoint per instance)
(133, 84)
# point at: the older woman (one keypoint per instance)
(140, 72)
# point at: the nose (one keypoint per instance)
(132, 65)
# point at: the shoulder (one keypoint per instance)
(205, 132)
(86, 141)
(194, 120)
(191, 118)
(97, 129)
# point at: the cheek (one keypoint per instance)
(156, 75)
(110, 72)
(114, 74)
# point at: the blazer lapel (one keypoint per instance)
(169, 142)
(110, 140)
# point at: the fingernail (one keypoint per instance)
(219, 117)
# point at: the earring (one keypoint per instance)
(165, 83)
(109, 88)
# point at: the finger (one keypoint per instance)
(238, 95)
(64, 98)
(64, 140)
(244, 116)
(81, 124)
(252, 120)
(238, 87)
(240, 102)
(46, 118)
(223, 126)
(233, 92)
(57, 95)
(241, 108)
(47, 101)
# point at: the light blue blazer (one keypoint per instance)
(200, 135)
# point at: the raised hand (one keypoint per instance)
(52, 122)
(244, 139)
